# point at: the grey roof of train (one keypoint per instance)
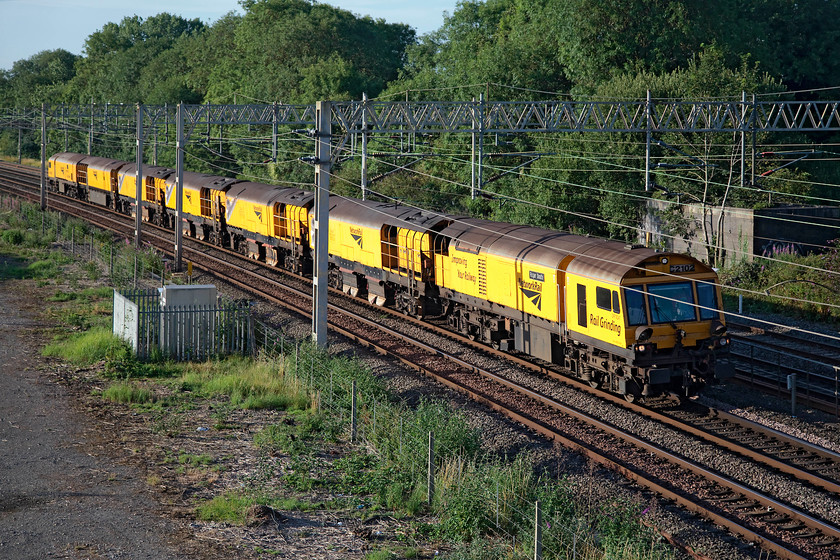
(261, 193)
(198, 181)
(102, 164)
(68, 157)
(148, 170)
(374, 214)
(593, 258)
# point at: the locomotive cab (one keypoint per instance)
(660, 312)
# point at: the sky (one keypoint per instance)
(32, 26)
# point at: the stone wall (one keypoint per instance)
(742, 233)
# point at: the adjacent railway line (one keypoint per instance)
(768, 487)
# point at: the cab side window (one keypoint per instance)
(607, 300)
(603, 299)
(634, 299)
(581, 295)
(707, 299)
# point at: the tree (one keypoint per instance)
(296, 51)
(38, 79)
(116, 56)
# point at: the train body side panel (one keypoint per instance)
(99, 179)
(355, 243)
(513, 283)
(594, 309)
(128, 185)
(191, 201)
(524, 286)
(458, 271)
(250, 216)
(62, 170)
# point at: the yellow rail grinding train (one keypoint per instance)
(632, 320)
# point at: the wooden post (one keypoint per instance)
(431, 473)
(353, 413)
(537, 531)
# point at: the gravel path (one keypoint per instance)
(61, 494)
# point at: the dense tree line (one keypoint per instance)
(300, 51)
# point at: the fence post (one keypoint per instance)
(836, 380)
(353, 412)
(497, 505)
(779, 374)
(537, 531)
(252, 343)
(431, 474)
(135, 271)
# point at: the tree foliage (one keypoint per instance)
(301, 51)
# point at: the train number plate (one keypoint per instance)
(678, 268)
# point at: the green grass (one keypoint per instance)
(236, 507)
(88, 294)
(300, 432)
(127, 393)
(23, 267)
(86, 348)
(249, 384)
(229, 508)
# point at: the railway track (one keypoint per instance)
(783, 526)
(766, 358)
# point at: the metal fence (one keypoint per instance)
(182, 333)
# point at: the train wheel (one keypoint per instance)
(629, 397)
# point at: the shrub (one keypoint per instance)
(13, 236)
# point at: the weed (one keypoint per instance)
(202, 460)
(127, 393)
(228, 508)
(250, 384)
(379, 555)
(12, 236)
(301, 475)
(168, 424)
(92, 270)
(298, 433)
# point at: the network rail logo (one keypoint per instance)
(356, 234)
(532, 288)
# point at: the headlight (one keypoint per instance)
(724, 341)
(640, 348)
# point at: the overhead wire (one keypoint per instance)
(610, 222)
(495, 194)
(490, 230)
